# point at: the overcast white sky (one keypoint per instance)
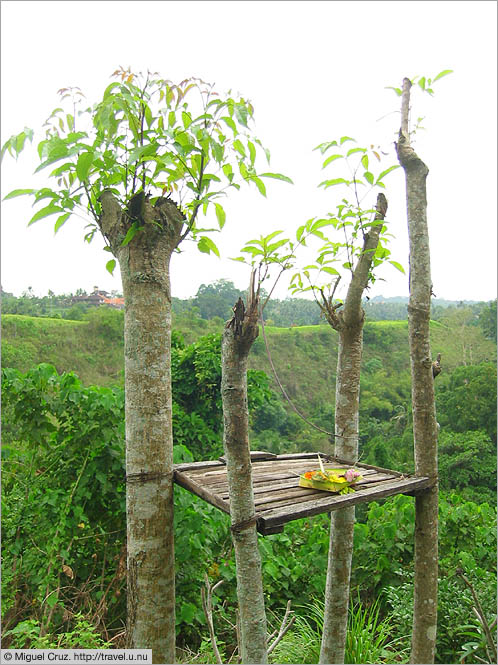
(314, 71)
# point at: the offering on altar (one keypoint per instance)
(330, 480)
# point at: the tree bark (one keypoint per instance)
(349, 324)
(238, 337)
(144, 264)
(423, 404)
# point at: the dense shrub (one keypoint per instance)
(63, 526)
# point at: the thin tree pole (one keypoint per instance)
(238, 337)
(349, 324)
(423, 404)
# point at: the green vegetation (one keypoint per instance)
(64, 532)
(63, 484)
(93, 348)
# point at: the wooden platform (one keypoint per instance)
(277, 496)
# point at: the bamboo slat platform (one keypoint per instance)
(277, 496)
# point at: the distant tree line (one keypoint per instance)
(55, 306)
(217, 299)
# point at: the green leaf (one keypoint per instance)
(186, 119)
(269, 237)
(148, 116)
(254, 251)
(83, 165)
(220, 215)
(384, 173)
(241, 113)
(252, 151)
(51, 600)
(231, 124)
(218, 151)
(276, 176)
(445, 72)
(55, 156)
(239, 147)
(18, 192)
(364, 162)
(276, 245)
(243, 170)
(131, 233)
(16, 142)
(206, 245)
(421, 83)
(108, 91)
(329, 270)
(45, 193)
(369, 177)
(45, 212)
(142, 151)
(334, 181)
(320, 223)
(110, 265)
(382, 252)
(323, 147)
(61, 220)
(228, 171)
(331, 159)
(346, 138)
(259, 184)
(20, 140)
(353, 150)
(398, 266)
(398, 91)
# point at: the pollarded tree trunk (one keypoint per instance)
(349, 324)
(144, 264)
(238, 337)
(423, 404)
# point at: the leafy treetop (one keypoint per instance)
(145, 134)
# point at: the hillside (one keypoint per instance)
(305, 360)
(304, 356)
(94, 353)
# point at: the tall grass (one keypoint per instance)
(369, 638)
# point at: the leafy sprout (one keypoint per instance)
(341, 234)
(424, 83)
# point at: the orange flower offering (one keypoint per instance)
(330, 480)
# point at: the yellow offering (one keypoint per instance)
(330, 480)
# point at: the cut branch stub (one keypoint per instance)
(164, 220)
(245, 319)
